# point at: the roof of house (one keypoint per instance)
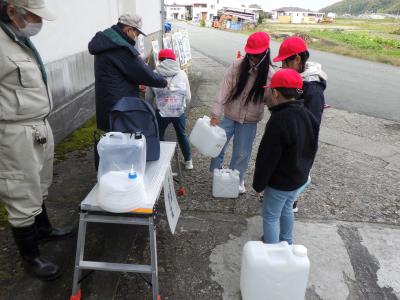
(297, 9)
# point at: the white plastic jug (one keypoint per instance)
(121, 171)
(209, 140)
(120, 152)
(226, 183)
(274, 271)
(121, 191)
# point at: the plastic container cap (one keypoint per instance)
(300, 251)
(132, 174)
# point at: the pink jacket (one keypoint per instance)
(237, 110)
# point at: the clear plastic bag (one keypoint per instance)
(171, 100)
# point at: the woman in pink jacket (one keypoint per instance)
(241, 99)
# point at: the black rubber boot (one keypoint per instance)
(26, 240)
(46, 232)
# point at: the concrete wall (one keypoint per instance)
(63, 46)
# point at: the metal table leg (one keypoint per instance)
(153, 251)
(80, 249)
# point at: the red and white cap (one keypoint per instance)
(286, 78)
(166, 54)
(257, 43)
(291, 46)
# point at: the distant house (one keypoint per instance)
(204, 11)
(296, 15)
(177, 11)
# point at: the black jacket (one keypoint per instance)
(313, 96)
(288, 148)
(118, 70)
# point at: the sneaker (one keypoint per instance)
(295, 208)
(189, 165)
(242, 189)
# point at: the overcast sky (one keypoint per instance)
(270, 4)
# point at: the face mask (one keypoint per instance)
(255, 67)
(31, 29)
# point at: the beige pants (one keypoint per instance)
(26, 169)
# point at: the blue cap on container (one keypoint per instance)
(132, 175)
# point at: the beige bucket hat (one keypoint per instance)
(132, 20)
(36, 7)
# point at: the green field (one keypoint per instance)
(376, 40)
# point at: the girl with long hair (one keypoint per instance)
(241, 99)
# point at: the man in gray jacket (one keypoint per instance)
(26, 139)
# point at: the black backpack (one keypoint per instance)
(130, 115)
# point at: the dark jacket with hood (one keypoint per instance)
(119, 70)
(287, 149)
(314, 85)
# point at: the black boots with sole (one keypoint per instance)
(40, 267)
(46, 232)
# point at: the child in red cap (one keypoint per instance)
(285, 156)
(240, 100)
(171, 101)
(293, 53)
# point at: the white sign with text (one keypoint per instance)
(171, 203)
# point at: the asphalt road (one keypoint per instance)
(354, 85)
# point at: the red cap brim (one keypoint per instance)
(279, 58)
(252, 51)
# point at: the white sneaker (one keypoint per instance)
(189, 165)
(242, 189)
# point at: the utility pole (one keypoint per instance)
(162, 12)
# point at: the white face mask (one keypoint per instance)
(31, 29)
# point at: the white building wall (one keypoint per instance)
(150, 10)
(63, 45)
(77, 22)
(172, 10)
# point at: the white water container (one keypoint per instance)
(121, 191)
(226, 183)
(121, 152)
(121, 171)
(209, 140)
(274, 271)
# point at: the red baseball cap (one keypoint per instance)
(291, 46)
(166, 53)
(257, 43)
(286, 78)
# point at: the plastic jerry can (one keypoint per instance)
(209, 140)
(226, 183)
(121, 191)
(274, 271)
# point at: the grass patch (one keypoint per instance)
(3, 216)
(374, 40)
(358, 40)
(80, 139)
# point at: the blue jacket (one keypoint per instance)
(118, 70)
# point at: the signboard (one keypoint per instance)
(177, 41)
(156, 49)
(140, 46)
(171, 203)
(167, 43)
(186, 46)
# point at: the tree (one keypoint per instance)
(257, 6)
